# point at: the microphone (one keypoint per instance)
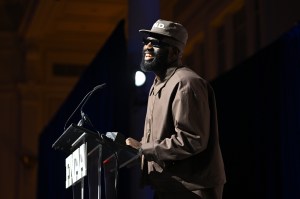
(83, 102)
(88, 97)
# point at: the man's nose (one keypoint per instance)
(148, 45)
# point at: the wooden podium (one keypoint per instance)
(93, 159)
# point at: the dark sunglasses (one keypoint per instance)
(154, 42)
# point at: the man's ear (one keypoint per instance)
(175, 52)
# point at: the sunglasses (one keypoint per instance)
(154, 42)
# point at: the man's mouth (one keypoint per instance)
(148, 56)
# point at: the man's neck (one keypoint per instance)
(160, 75)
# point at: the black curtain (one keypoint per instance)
(108, 110)
(259, 122)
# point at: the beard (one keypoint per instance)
(158, 64)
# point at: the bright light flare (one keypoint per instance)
(140, 78)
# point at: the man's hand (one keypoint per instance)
(133, 143)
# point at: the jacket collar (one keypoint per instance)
(159, 84)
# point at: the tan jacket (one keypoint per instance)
(180, 142)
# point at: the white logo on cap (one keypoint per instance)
(159, 25)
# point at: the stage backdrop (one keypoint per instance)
(259, 116)
(108, 109)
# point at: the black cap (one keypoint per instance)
(176, 33)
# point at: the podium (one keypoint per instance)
(93, 161)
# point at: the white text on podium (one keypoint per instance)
(76, 165)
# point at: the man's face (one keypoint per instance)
(155, 55)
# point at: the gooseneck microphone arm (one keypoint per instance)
(83, 102)
(89, 95)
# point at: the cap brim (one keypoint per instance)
(153, 32)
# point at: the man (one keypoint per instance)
(181, 156)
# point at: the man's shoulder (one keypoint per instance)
(186, 74)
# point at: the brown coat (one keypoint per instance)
(181, 142)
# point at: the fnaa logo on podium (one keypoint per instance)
(76, 165)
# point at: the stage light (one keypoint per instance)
(140, 78)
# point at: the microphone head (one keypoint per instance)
(99, 86)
